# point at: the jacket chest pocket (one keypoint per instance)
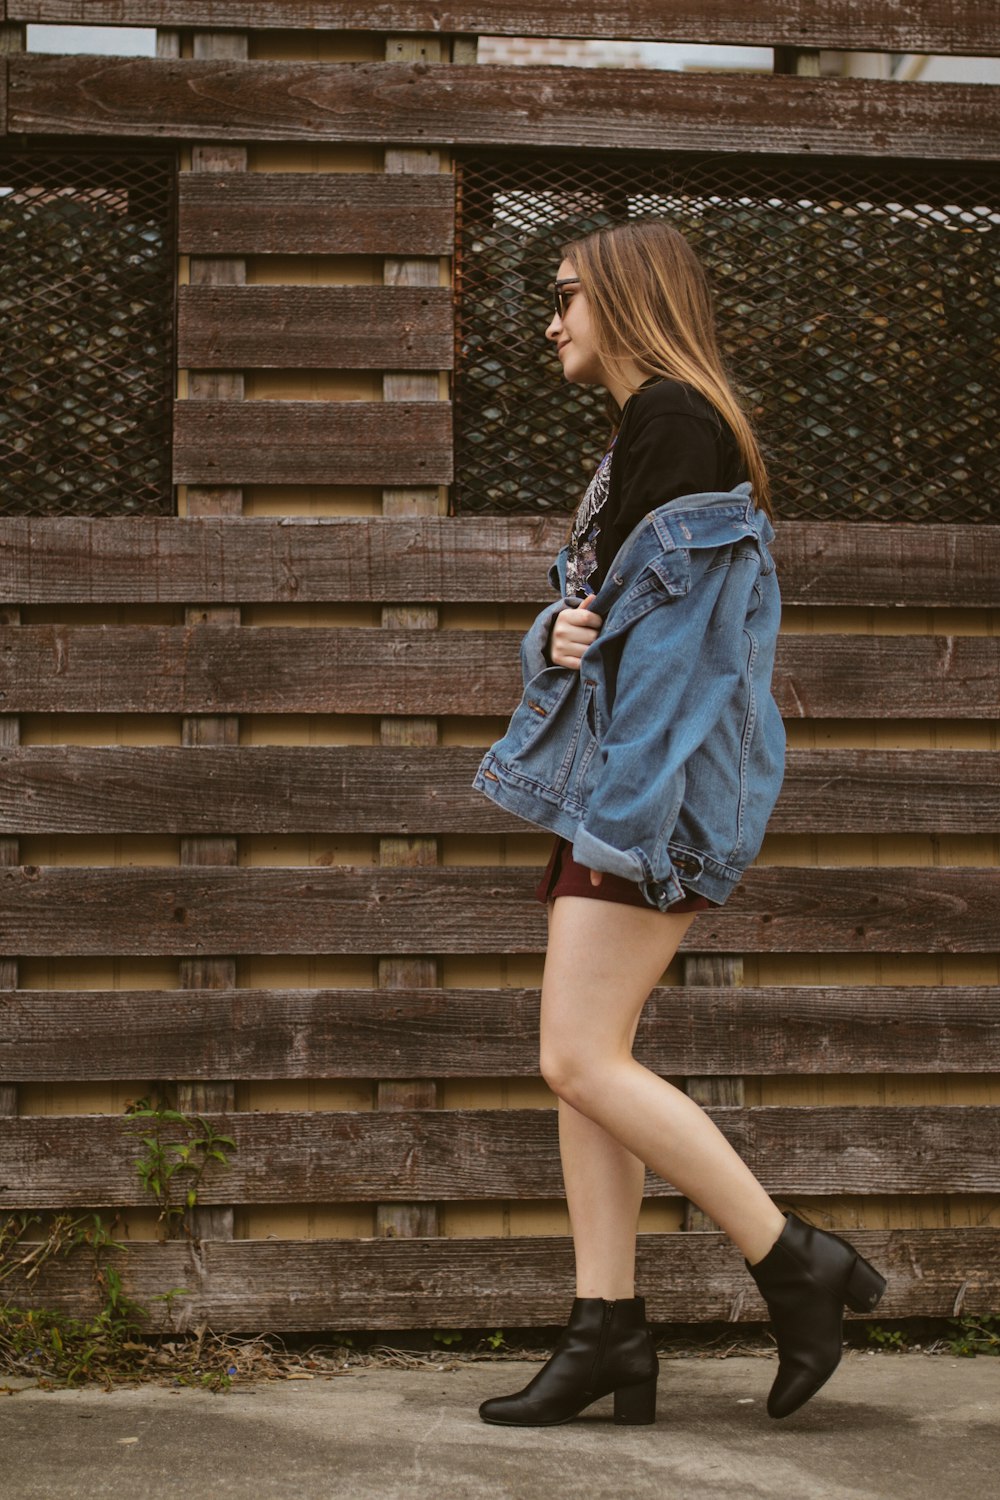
(662, 580)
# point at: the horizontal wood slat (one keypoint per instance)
(216, 669)
(312, 442)
(307, 1285)
(446, 559)
(75, 789)
(315, 213)
(440, 560)
(56, 909)
(444, 104)
(833, 563)
(461, 1155)
(54, 1035)
(893, 25)
(337, 327)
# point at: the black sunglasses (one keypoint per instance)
(561, 298)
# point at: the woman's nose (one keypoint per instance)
(555, 327)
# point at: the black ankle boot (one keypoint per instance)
(806, 1278)
(606, 1347)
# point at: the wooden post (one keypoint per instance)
(12, 40)
(10, 853)
(408, 1220)
(801, 61)
(222, 729)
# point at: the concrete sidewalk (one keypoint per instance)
(898, 1426)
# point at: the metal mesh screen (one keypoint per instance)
(87, 307)
(859, 309)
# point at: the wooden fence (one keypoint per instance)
(286, 896)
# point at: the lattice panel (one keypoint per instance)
(859, 309)
(87, 307)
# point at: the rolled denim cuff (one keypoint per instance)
(535, 643)
(630, 864)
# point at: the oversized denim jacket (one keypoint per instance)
(662, 758)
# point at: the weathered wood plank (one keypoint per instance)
(940, 26)
(272, 669)
(310, 1285)
(51, 1035)
(341, 327)
(328, 213)
(437, 559)
(48, 910)
(444, 104)
(871, 563)
(415, 790)
(312, 442)
(441, 559)
(714, 1089)
(877, 676)
(888, 791)
(462, 1155)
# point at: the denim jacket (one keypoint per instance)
(662, 758)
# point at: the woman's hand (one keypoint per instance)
(573, 631)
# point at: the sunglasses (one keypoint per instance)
(560, 297)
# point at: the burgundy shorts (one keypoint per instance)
(564, 877)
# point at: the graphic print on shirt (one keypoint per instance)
(581, 559)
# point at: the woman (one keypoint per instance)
(649, 743)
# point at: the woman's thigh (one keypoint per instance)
(601, 962)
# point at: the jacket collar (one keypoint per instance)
(714, 519)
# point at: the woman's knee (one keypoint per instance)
(554, 1066)
(572, 1072)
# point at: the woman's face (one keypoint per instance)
(572, 335)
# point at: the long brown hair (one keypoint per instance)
(650, 303)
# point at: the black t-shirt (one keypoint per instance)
(671, 442)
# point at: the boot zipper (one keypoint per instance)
(606, 1315)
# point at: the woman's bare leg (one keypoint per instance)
(604, 1183)
(602, 961)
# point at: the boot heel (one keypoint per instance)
(635, 1405)
(864, 1287)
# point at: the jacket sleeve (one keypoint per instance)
(675, 676)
